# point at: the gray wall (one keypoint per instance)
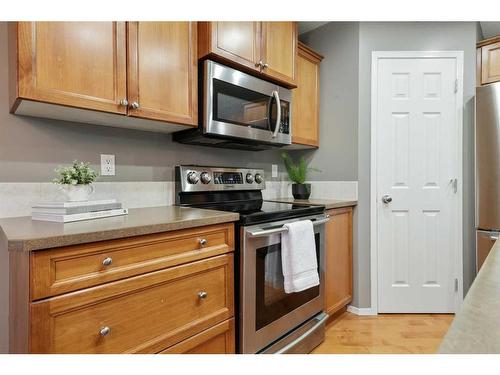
(338, 41)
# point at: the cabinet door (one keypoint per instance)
(162, 71)
(216, 340)
(490, 64)
(338, 270)
(238, 42)
(78, 64)
(279, 50)
(305, 111)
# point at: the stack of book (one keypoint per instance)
(66, 212)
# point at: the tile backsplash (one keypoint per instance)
(16, 199)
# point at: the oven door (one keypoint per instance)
(266, 311)
(239, 105)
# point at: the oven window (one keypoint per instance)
(240, 106)
(271, 300)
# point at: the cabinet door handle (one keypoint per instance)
(107, 261)
(124, 102)
(104, 331)
(203, 242)
(202, 295)
(134, 105)
(265, 66)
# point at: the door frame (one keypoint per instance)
(458, 261)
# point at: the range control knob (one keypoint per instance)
(258, 178)
(249, 178)
(205, 177)
(192, 178)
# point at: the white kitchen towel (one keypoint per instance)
(298, 256)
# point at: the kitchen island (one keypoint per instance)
(476, 327)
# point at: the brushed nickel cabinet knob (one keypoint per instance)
(107, 261)
(124, 102)
(134, 105)
(104, 331)
(202, 295)
(203, 242)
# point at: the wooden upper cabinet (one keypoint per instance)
(490, 63)
(79, 64)
(305, 102)
(162, 71)
(259, 48)
(237, 42)
(279, 50)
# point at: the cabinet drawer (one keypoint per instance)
(216, 340)
(67, 269)
(143, 314)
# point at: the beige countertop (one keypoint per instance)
(476, 327)
(24, 234)
(328, 203)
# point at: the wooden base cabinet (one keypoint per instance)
(488, 61)
(338, 270)
(267, 49)
(154, 294)
(305, 111)
(141, 75)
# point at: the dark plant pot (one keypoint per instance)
(301, 191)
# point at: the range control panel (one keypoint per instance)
(198, 178)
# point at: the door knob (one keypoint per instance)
(386, 199)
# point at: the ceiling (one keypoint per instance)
(490, 29)
(306, 26)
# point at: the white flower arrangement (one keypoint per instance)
(78, 174)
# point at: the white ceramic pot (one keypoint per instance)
(77, 193)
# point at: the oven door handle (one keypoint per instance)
(278, 113)
(269, 232)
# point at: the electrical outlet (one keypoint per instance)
(107, 165)
(274, 170)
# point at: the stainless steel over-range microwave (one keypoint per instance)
(240, 111)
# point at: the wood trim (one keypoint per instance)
(479, 68)
(491, 40)
(307, 52)
(342, 304)
(335, 316)
(151, 253)
(19, 324)
(13, 66)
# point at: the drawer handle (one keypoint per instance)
(107, 262)
(104, 331)
(202, 295)
(203, 242)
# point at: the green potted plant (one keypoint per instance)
(297, 173)
(76, 181)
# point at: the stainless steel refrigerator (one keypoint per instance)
(487, 149)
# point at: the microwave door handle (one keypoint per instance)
(278, 113)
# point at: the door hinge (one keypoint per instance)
(456, 85)
(456, 285)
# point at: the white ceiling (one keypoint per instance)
(306, 26)
(490, 29)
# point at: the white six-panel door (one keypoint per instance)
(417, 169)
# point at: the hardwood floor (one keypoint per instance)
(385, 334)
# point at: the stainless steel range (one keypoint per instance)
(269, 320)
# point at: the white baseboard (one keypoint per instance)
(361, 311)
